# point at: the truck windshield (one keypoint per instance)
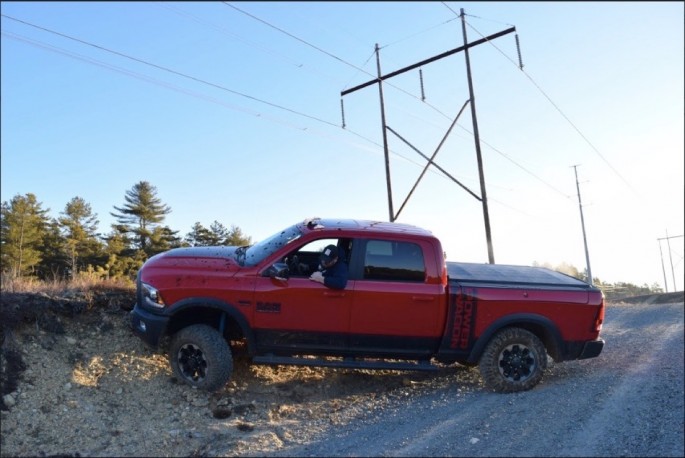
(260, 250)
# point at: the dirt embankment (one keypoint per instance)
(76, 382)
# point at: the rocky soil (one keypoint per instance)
(76, 382)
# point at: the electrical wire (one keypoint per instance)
(195, 94)
(557, 108)
(177, 73)
(243, 40)
(133, 74)
(421, 32)
(358, 71)
(225, 31)
(333, 56)
(289, 34)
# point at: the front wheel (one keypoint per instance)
(201, 357)
(514, 360)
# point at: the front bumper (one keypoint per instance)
(148, 326)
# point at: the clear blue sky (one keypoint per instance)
(252, 136)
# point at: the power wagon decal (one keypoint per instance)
(458, 339)
(268, 307)
(463, 319)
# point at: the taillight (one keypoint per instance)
(600, 317)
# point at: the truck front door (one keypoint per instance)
(298, 313)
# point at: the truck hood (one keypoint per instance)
(212, 257)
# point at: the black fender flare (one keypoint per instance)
(227, 309)
(551, 337)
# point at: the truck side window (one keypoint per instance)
(304, 260)
(393, 261)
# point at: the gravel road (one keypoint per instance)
(88, 387)
(627, 402)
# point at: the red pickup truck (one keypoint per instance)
(403, 307)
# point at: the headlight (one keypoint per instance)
(151, 296)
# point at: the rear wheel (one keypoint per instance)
(514, 360)
(201, 357)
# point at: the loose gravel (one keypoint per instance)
(94, 389)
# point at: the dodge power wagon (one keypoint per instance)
(403, 307)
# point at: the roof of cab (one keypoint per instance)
(363, 225)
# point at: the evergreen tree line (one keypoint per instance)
(35, 245)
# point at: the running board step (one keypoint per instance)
(349, 363)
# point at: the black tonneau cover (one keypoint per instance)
(466, 274)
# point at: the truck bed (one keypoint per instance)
(494, 275)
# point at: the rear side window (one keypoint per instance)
(393, 261)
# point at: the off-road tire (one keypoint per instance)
(513, 360)
(200, 357)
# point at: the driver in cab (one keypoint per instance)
(332, 271)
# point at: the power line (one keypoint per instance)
(418, 33)
(339, 59)
(526, 170)
(224, 30)
(159, 67)
(243, 40)
(289, 34)
(133, 74)
(477, 17)
(549, 99)
(373, 53)
(182, 90)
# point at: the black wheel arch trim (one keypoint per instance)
(554, 344)
(231, 310)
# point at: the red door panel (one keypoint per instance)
(301, 313)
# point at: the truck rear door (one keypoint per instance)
(394, 309)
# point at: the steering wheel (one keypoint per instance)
(292, 262)
(296, 267)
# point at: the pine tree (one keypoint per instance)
(54, 263)
(79, 226)
(119, 260)
(198, 236)
(218, 234)
(22, 229)
(237, 238)
(142, 212)
(163, 239)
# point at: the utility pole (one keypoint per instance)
(670, 257)
(582, 223)
(476, 138)
(379, 80)
(386, 151)
(663, 269)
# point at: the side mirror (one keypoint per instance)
(278, 271)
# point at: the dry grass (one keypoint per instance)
(80, 283)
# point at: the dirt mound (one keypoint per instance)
(76, 381)
(46, 314)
